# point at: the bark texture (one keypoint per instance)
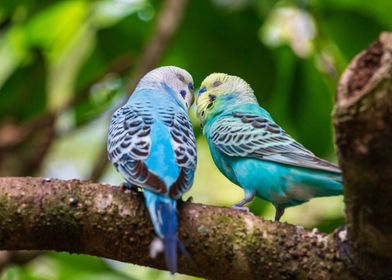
(363, 122)
(105, 221)
(100, 220)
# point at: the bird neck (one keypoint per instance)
(226, 103)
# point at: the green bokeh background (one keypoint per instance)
(291, 52)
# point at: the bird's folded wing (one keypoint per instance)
(129, 146)
(252, 135)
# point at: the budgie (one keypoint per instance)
(152, 145)
(252, 151)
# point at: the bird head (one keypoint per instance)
(173, 79)
(219, 92)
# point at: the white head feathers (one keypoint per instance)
(177, 79)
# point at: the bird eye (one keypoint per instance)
(190, 86)
(183, 93)
(180, 77)
(216, 84)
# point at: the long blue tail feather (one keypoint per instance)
(325, 184)
(164, 218)
(169, 230)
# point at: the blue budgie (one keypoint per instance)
(152, 145)
(252, 151)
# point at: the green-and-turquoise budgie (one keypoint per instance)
(252, 151)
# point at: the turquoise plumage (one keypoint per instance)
(251, 150)
(152, 145)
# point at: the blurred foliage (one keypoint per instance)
(73, 59)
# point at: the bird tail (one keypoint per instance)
(328, 184)
(164, 218)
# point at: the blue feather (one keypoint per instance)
(151, 143)
(161, 159)
(256, 154)
(164, 218)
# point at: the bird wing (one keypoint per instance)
(251, 135)
(184, 145)
(129, 146)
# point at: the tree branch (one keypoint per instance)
(8, 258)
(100, 220)
(363, 122)
(105, 221)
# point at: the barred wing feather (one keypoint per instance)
(251, 135)
(129, 145)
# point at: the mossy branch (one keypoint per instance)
(101, 220)
(106, 221)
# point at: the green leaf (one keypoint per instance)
(23, 95)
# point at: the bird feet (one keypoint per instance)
(128, 186)
(279, 213)
(249, 195)
(241, 208)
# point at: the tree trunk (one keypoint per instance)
(83, 217)
(363, 122)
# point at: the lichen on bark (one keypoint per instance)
(101, 220)
(105, 221)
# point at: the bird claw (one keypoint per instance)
(241, 208)
(156, 247)
(129, 187)
(126, 186)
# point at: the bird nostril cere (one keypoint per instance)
(203, 89)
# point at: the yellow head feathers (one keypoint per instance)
(219, 91)
(215, 80)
